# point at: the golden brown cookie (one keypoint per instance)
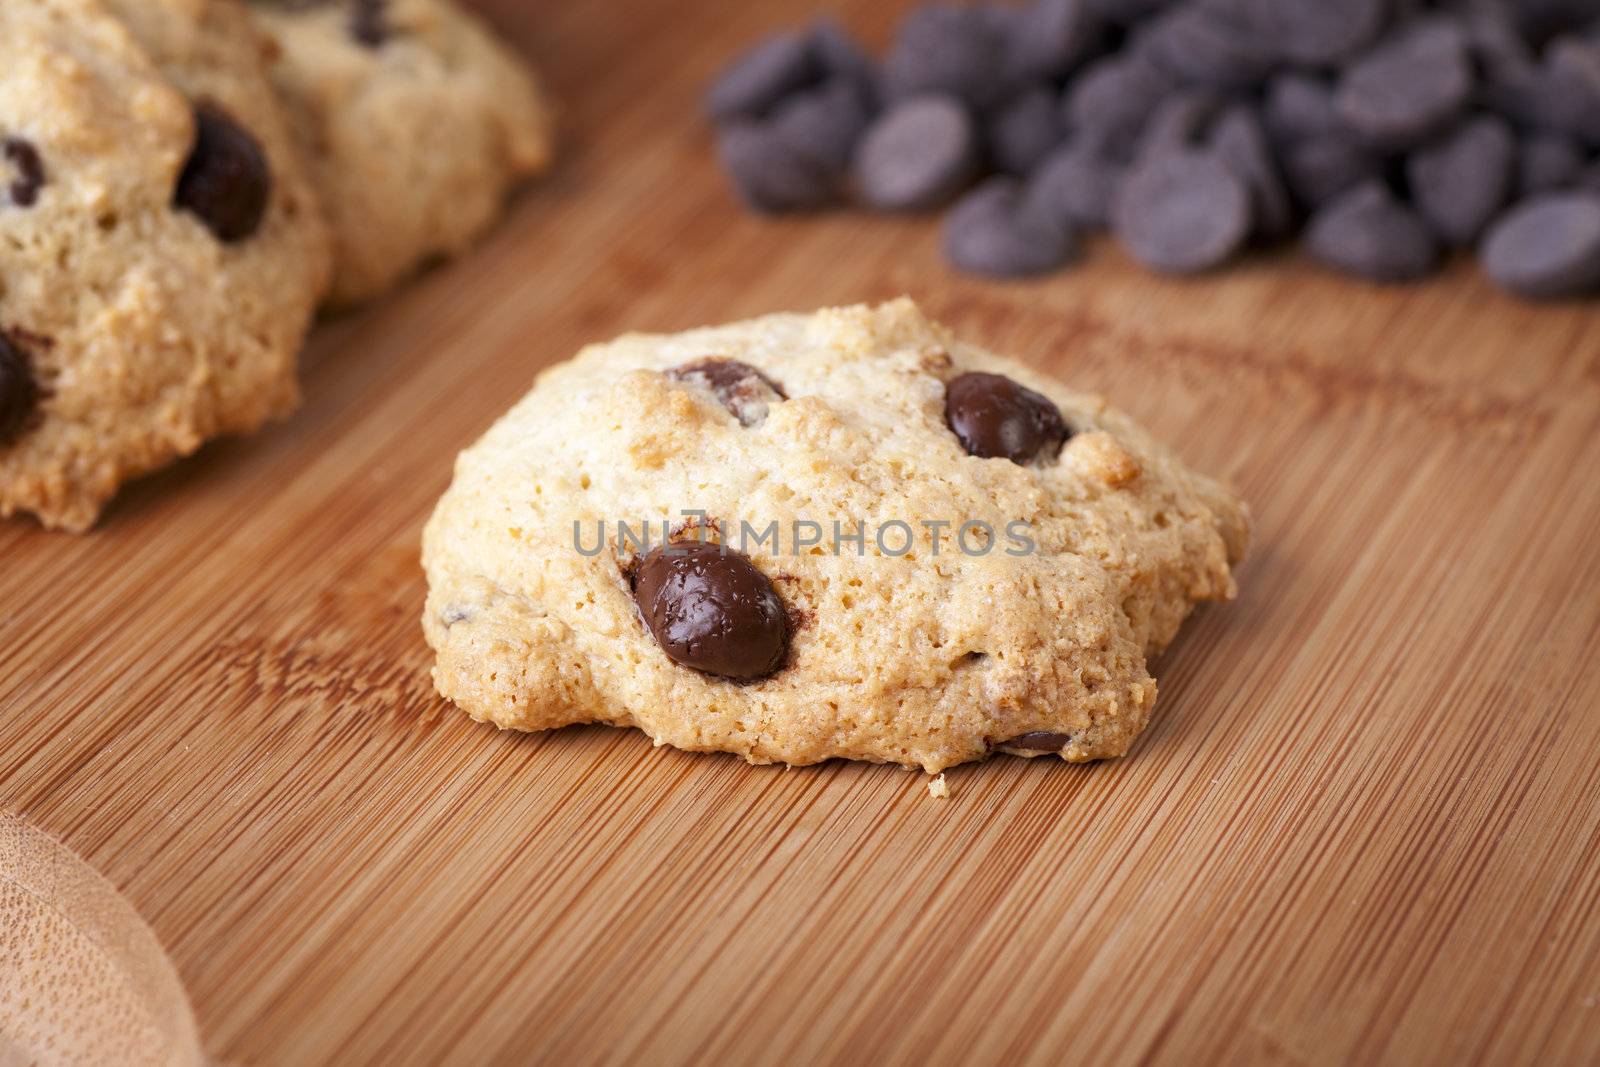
(915, 551)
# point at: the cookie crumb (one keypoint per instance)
(938, 789)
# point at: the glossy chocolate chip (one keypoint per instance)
(19, 391)
(745, 391)
(369, 22)
(29, 170)
(993, 416)
(226, 181)
(712, 611)
(1038, 741)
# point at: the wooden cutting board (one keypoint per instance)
(1364, 825)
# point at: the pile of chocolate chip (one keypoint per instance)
(1383, 133)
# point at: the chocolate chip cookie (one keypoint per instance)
(416, 121)
(161, 253)
(845, 534)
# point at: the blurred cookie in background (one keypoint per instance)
(161, 252)
(417, 122)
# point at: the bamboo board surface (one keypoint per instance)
(1363, 826)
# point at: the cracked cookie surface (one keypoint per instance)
(416, 121)
(910, 657)
(161, 253)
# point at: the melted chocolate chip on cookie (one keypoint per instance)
(712, 610)
(19, 391)
(369, 22)
(746, 392)
(994, 416)
(29, 168)
(227, 181)
(1038, 741)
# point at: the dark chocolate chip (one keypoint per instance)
(1201, 45)
(712, 611)
(1005, 22)
(1547, 247)
(839, 55)
(1075, 186)
(993, 416)
(917, 155)
(1524, 92)
(997, 232)
(1300, 106)
(1240, 142)
(1110, 102)
(1496, 46)
(1588, 179)
(1370, 234)
(951, 50)
(1182, 211)
(1409, 87)
(1023, 131)
(19, 391)
(1541, 19)
(1038, 741)
(226, 181)
(1318, 32)
(29, 168)
(771, 175)
(1572, 67)
(1049, 38)
(369, 22)
(824, 123)
(1559, 95)
(1547, 162)
(744, 390)
(762, 76)
(1321, 169)
(1460, 183)
(1125, 12)
(1183, 120)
